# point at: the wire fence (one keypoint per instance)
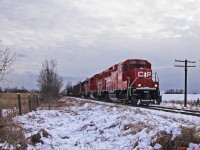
(18, 104)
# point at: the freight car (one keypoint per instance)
(130, 81)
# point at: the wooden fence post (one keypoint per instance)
(29, 102)
(19, 104)
(1, 112)
(38, 101)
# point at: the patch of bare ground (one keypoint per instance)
(66, 104)
(188, 135)
(36, 138)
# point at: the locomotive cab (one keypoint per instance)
(142, 84)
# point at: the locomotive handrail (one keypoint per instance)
(134, 81)
(155, 77)
(129, 87)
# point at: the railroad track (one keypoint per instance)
(174, 110)
(166, 109)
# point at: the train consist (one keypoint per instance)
(130, 81)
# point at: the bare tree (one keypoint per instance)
(6, 61)
(49, 82)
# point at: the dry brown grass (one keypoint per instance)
(10, 100)
(134, 128)
(12, 134)
(190, 104)
(188, 135)
(66, 102)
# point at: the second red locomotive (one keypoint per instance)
(131, 81)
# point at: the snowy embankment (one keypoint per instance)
(85, 125)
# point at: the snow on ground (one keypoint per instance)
(6, 112)
(180, 97)
(177, 101)
(180, 106)
(97, 126)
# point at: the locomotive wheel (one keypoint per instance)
(126, 101)
(134, 100)
(107, 98)
(159, 100)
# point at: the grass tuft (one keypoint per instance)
(188, 135)
(12, 134)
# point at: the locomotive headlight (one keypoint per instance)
(145, 74)
(156, 85)
(139, 85)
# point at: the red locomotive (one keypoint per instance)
(131, 81)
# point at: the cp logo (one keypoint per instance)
(144, 74)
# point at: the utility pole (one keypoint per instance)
(185, 66)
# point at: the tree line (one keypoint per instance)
(174, 91)
(17, 90)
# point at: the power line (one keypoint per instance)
(185, 66)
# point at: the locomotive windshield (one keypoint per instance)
(134, 65)
(139, 66)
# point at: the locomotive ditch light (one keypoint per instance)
(156, 85)
(139, 85)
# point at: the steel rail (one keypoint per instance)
(160, 108)
(174, 110)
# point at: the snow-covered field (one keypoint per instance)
(98, 126)
(177, 101)
(180, 97)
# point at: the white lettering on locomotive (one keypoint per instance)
(144, 74)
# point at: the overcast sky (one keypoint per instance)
(88, 36)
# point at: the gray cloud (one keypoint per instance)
(20, 55)
(16, 79)
(86, 37)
